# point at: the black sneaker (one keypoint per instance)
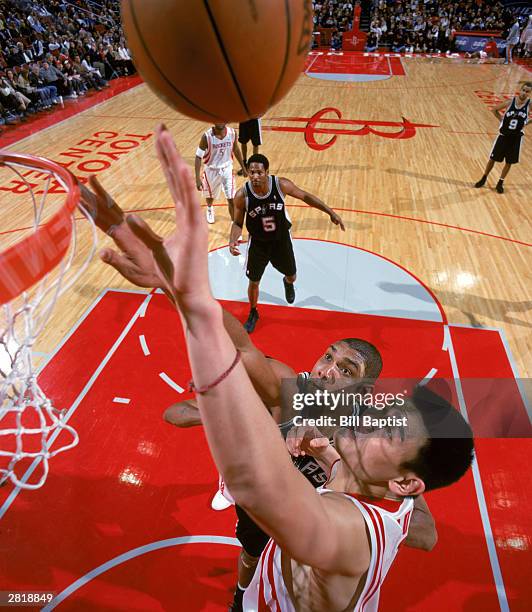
(481, 183)
(500, 187)
(289, 291)
(253, 317)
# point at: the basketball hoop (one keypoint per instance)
(39, 261)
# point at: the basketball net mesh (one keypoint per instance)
(32, 428)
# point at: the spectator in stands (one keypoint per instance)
(54, 77)
(49, 91)
(512, 40)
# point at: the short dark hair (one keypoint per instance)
(372, 357)
(448, 452)
(259, 158)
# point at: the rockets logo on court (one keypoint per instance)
(320, 124)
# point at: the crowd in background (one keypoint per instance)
(417, 25)
(430, 26)
(56, 49)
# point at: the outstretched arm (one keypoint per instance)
(239, 213)
(198, 159)
(422, 530)
(290, 188)
(134, 261)
(243, 439)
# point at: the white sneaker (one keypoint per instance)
(219, 502)
(210, 214)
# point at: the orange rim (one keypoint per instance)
(29, 260)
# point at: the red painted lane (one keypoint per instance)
(70, 369)
(352, 62)
(494, 402)
(134, 479)
(46, 119)
(496, 410)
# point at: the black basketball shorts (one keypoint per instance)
(249, 534)
(506, 148)
(279, 253)
(250, 130)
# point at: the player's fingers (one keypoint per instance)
(118, 261)
(319, 443)
(173, 166)
(162, 154)
(155, 243)
(190, 194)
(342, 225)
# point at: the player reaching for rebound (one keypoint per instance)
(261, 201)
(216, 149)
(330, 549)
(508, 144)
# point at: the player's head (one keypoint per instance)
(219, 127)
(258, 169)
(525, 91)
(425, 444)
(346, 361)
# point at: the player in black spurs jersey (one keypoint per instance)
(508, 144)
(261, 201)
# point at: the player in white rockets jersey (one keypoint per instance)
(326, 553)
(216, 149)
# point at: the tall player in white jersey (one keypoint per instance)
(216, 149)
(329, 550)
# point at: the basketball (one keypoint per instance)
(215, 60)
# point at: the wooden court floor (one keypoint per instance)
(409, 199)
(397, 158)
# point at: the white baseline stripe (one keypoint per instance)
(131, 554)
(171, 383)
(429, 376)
(515, 371)
(6, 505)
(488, 533)
(143, 344)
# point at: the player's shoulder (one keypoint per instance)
(240, 193)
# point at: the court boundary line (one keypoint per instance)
(82, 394)
(132, 554)
(515, 372)
(343, 209)
(479, 489)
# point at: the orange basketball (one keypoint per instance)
(219, 60)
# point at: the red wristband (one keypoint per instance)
(192, 387)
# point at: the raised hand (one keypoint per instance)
(134, 261)
(337, 220)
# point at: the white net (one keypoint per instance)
(32, 428)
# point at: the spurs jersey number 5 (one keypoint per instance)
(514, 119)
(266, 217)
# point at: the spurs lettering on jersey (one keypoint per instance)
(514, 119)
(266, 215)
